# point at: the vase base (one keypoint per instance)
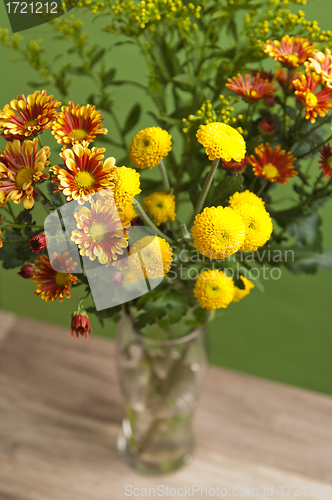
(149, 467)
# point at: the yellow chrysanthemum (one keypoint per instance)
(149, 147)
(129, 211)
(126, 185)
(258, 226)
(243, 292)
(214, 289)
(154, 256)
(218, 232)
(222, 141)
(161, 206)
(245, 197)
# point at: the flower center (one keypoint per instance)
(212, 290)
(329, 162)
(84, 180)
(25, 174)
(270, 171)
(311, 100)
(31, 124)
(98, 232)
(78, 133)
(61, 278)
(293, 58)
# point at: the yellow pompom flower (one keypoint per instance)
(258, 226)
(245, 197)
(149, 147)
(214, 289)
(222, 141)
(218, 232)
(161, 206)
(154, 256)
(126, 185)
(243, 292)
(129, 211)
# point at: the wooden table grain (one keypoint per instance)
(61, 411)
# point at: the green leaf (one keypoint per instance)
(55, 197)
(304, 260)
(165, 305)
(97, 56)
(190, 80)
(304, 228)
(77, 70)
(132, 118)
(228, 186)
(108, 77)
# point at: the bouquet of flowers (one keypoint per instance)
(241, 93)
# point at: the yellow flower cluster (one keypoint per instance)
(222, 141)
(149, 147)
(126, 185)
(245, 225)
(161, 206)
(207, 114)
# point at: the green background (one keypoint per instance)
(283, 334)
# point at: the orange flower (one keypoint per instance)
(321, 64)
(75, 124)
(316, 104)
(251, 88)
(22, 166)
(326, 160)
(282, 75)
(53, 284)
(30, 115)
(101, 231)
(84, 173)
(290, 51)
(235, 166)
(274, 165)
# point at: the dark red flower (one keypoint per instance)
(235, 167)
(265, 75)
(326, 160)
(27, 271)
(266, 126)
(80, 325)
(269, 101)
(136, 221)
(38, 243)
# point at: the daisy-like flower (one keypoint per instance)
(222, 141)
(84, 173)
(149, 147)
(25, 116)
(258, 226)
(52, 284)
(218, 232)
(75, 124)
(274, 165)
(22, 166)
(101, 231)
(321, 64)
(38, 243)
(234, 166)
(326, 160)
(251, 88)
(315, 104)
(291, 51)
(80, 325)
(214, 289)
(161, 206)
(283, 76)
(245, 197)
(240, 293)
(154, 256)
(126, 185)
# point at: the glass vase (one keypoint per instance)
(160, 381)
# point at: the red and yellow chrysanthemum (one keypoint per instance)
(321, 64)
(326, 160)
(275, 165)
(30, 115)
(291, 51)
(84, 173)
(75, 124)
(22, 166)
(52, 283)
(101, 231)
(316, 104)
(251, 88)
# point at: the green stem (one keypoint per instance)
(205, 190)
(263, 186)
(45, 198)
(149, 222)
(316, 148)
(164, 176)
(18, 226)
(40, 142)
(10, 210)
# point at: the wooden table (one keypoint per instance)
(60, 414)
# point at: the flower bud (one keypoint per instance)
(38, 243)
(27, 271)
(80, 325)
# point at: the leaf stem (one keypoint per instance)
(205, 190)
(45, 198)
(164, 176)
(263, 186)
(149, 222)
